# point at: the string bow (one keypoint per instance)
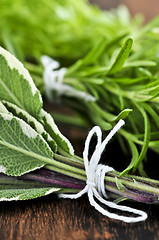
(95, 172)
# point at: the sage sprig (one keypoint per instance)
(27, 152)
(24, 143)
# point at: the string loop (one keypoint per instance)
(53, 80)
(95, 179)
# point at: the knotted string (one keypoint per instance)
(95, 178)
(53, 80)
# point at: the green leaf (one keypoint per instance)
(150, 25)
(154, 145)
(119, 199)
(13, 190)
(100, 47)
(22, 148)
(25, 194)
(140, 63)
(121, 57)
(54, 132)
(146, 137)
(120, 186)
(95, 52)
(128, 81)
(135, 157)
(122, 115)
(16, 85)
(3, 109)
(18, 112)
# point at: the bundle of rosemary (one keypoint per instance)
(117, 79)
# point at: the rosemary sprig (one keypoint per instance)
(125, 86)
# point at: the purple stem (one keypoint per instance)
(54, 178)
(133, 194)
(143, 190)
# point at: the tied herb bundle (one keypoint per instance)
(32, 147)
(123, 81)
(118, 79)
(122, 77)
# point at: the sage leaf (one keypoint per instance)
(22, 148)
(20, 113)
(54, 132)
(16, 84)
(18, 88)
(12, 193)
(3, 109)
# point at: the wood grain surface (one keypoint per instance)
(49, 218)
(52, 218)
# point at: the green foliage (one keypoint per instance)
(22, 149)
(58, 27)
(129, 89)
(121, 57)
(24, 99)
(37, 126)
(17, 86)
(14, 189)
(123, 77)
(24, 143)
(25, 194)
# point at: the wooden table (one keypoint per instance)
(49, 217)
(52, 218)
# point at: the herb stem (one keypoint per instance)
(133, 188)
(67, 172)
(71, 161)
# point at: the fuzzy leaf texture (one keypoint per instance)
(37, 126)
(16, 84)
(18, 88)
(22, 148)
(12, 189)
(24, 194)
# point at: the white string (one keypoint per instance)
(95, 179)
(53, 80)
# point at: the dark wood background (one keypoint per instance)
(52, 218)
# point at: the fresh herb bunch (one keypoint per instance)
(32, 147)
(125, 85)
(123, 78)
(58, 27)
